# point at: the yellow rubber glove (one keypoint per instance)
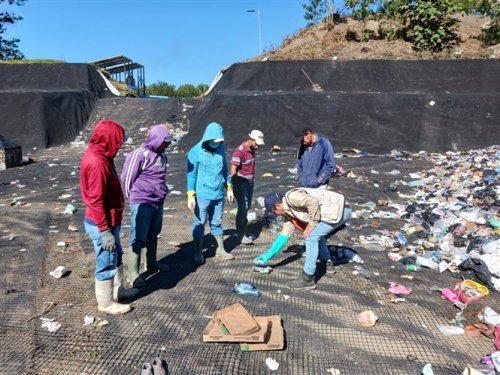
(230, 194)
(191, 200)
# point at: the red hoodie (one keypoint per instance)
(99, 182)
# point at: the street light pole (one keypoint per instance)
(260, 27)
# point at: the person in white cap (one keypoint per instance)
(242, 176)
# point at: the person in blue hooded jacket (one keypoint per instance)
(315, 161)
(207, 180)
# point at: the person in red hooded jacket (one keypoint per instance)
(103, 196)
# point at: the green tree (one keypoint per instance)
(315, 11)
(201, 89)
(161, 88)
(9, 49)
(491, 34)
(428, 24)
(186, 91)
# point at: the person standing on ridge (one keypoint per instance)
(315, 161)
(242, 176)
(144, 183)
(207, 178)
(103, 196)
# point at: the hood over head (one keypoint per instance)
(213, 131)
(107, 138)
(156, 136)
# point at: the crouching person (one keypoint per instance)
(102, 194)
(314, 212)
(144, 184)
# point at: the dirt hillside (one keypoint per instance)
(317, 42)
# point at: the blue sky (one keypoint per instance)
(178, 41)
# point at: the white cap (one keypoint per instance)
(257, 136)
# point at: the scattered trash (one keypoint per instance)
(50, 324)
(398, 289)
(275, 148)
(65, 196)
(70, 209)
(367, 318)
(72, 228)
(262, 269)
(411, 267)
(427, 370)
(246, 289)
(267, 174)
(363, 272)
(59, 272)
(469, 291)
(272, 364)
(88, 320)
(451, 330)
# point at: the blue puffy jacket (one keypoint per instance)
(207, 172)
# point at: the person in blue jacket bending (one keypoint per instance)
(207, 180)
(315, 161)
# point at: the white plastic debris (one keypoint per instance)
(88, 320)
(272, 364)
(50, 324)
(432, 103)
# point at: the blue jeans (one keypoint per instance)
(243, 191)
(316, 242)
(211, 211)
(146, 221)
(106, 262)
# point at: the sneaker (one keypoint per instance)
(303, 282)
(158, 368)
(146, 369)
(330, 267)
(246, 240)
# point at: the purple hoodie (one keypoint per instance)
(144, 173)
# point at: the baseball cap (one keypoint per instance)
(270, 200)
(257, 136)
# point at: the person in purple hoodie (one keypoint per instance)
(143, 182)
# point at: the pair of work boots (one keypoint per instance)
(151, 265)
(109, 292)
(220, 253)
(154, 368)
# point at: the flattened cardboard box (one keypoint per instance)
(275, 340)
(237, 320)
(217, 333)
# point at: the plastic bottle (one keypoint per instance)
(411, 267)
(363, 272)
(246, 289)
(421, 261)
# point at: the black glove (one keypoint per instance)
(108, 240)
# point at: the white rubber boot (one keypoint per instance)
(104, 296)
(119, 292)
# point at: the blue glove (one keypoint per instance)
(108, 241)
(277, 245)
